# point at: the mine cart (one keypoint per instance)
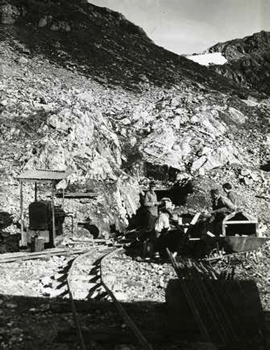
(239, 233)
(239, 224)
(45, 218)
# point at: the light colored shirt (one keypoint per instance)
(150, 202)
(162, 222)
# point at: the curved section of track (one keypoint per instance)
(85, 281)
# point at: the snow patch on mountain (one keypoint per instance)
(208, 58)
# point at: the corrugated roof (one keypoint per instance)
(44, 175)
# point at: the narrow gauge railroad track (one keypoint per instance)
(82, 279)
(85, 281)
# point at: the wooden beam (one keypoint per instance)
(236, 222)
(63, 198)
(53, 214)
(40, 255)
(23, 233)
(35, 191)
(195, 219)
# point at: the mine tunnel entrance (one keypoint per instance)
(178, 193)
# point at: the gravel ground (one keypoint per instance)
(34, 315)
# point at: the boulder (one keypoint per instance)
(158, 143)
(9, 14)
(61, 25)
(237, 116)
(44, 21)
(198, 164)
(185, 147)
(222, 156)
(87, 97)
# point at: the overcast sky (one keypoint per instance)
(191, 26)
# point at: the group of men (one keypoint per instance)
(158, 216)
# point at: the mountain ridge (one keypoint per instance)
(248, 60)
(106, 102)
(112, 42)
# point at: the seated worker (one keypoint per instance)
(222, 206)
(231, 195)
(151, 204)
(162, 225)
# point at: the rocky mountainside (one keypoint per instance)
(83, 88)
(249, 60)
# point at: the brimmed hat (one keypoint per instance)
(165, 199)
(165, 210)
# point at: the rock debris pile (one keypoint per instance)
(58, 112)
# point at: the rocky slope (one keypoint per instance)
(249, 60)
(83, 88)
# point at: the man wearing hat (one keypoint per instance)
(151, 204)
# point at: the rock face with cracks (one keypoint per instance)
(248, 60)
(84, 89)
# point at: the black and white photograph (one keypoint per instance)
(134, 174)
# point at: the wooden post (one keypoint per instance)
(63, 198)
(35, 191)
(23, 233)
(53, 216)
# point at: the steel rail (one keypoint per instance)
(73, 307)
(104, 255)
(140, 337)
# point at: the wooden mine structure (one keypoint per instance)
(53, 177)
